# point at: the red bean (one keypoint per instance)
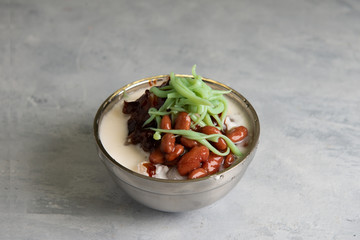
(237, 134)
(189, 143)
(229, 159)
(183, 121)
(167, 144)
(220, 144)
(192, 160)
(178, 150)
(156, 156)
(197, 173)
(165, 122)
(213, 163)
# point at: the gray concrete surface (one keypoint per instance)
(298, 62)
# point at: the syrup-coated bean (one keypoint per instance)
(156, 156)
(165, 122)
(178, 150)
(189, 143)
(229, 159)
(213, 163)
(197, 173)
(167, 144)
(183, 121)
(220, 144)
(237, 134)
(192, 159)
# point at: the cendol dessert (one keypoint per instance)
(182, 129)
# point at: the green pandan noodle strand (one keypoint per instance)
(216, 110)
(202, 116)
(167, 104)
(167, 87)
(157, 136)
(161, 93)
(202, 138)
(208, 121)
(158, 121)
(174, 95)
(214, 150)
(217, 119)
(204, 104)
(184, 91)
(195, 119)
(153, 112)
(224, 113)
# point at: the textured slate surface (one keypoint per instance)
(297, 62)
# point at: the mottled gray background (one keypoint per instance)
(297, 62)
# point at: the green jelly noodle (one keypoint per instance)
(201, 102)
